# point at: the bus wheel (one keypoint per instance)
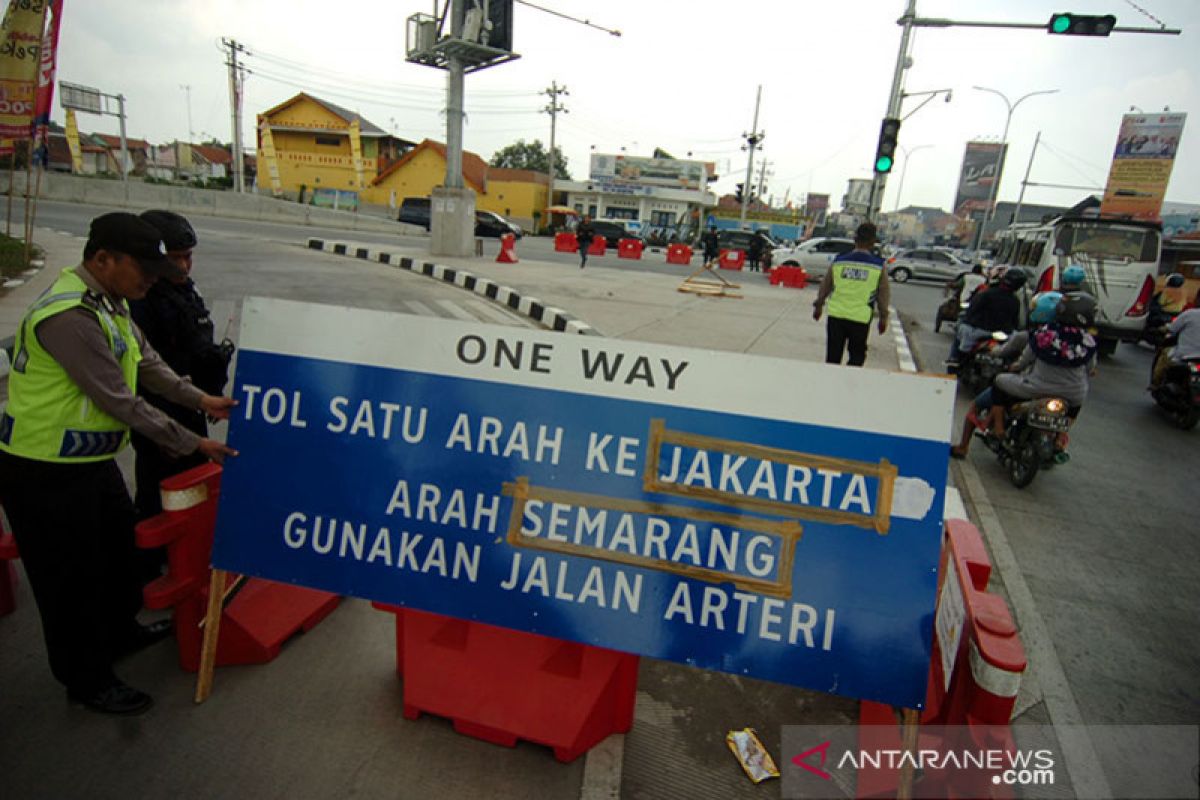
(1106, 347)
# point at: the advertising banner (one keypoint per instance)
(638, 497)
(671, 172)
(1141, 167)
(858, 196)
(20, 46)
(977, 177)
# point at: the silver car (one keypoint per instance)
(815, 255)
(925, 263)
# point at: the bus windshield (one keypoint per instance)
(1106, 241)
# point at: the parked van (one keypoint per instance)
(415, 211)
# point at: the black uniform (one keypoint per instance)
(712, 246)
(178, 325)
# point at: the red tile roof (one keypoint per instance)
(114, 142)
(475, 169)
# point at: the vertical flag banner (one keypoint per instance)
(1141, 166)
(44, 94)
(20, 43)
(73, 143)
(267, 144)
(356, 152)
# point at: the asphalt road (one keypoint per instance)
(1107, 542)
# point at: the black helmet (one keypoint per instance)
(1175, 280)
(1013, 278)
(177, 232)
(1078, 309)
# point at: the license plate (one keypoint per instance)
(1049, 422)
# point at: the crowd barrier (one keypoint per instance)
(8, 573)
(977, 692)
(258, 616)
(732, 259)
(629, 248)
(679, 254)
(501, 685)
(795, 277)
(565, 242)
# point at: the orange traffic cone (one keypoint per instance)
(508, 253)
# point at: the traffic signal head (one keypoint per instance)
(885, 152)
(738, 194)
(1081, 24)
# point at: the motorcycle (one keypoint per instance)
(978, 367)
(958, 294)
(1178, 393)
(1034, 438)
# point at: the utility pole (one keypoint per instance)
(1025, 181)
(187, 89)
(554, 108)
(764, 172)
(752, 139)
(124, 142)
(235, 101)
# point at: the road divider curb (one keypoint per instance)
(553, 318)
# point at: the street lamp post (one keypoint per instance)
(994, 193)
(903, 170)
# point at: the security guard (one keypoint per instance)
(856, 285)
(78, 359)
(179, 326)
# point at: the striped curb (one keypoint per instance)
(553, 318)
(903, 353)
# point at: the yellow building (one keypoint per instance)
(319, 145)
(513, 193)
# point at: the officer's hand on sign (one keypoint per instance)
(217, 407)
(215, 450)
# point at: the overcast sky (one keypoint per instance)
(682, 77)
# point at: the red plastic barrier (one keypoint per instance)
(260, 615)
(679, 254)
(502, 685)
(794, 277)
(598, 246)
(8, 573)
(732, 259)
(565, 242)
(985, 672)
(629, 248)
(508, 249)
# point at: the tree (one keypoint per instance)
(531, 155)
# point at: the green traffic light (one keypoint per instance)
(883, 164)
(1061, 24)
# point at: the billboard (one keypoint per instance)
(1141, 166)
(816, 206)
(672, 172)
(83, 98)
(977, 178)
(628, 495)
(858, 196)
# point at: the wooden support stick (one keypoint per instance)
(227, 596)
(208, 650)
(909, 726)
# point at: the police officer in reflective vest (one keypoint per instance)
(856, 285)
(77, 362)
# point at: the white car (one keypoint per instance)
(815, 255)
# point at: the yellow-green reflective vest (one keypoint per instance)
(48, 417)
(854, 285)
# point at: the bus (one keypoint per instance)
(1120, 257)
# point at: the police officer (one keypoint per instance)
(177, 324)
(855, 285)
(78, 360)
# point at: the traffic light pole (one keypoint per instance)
(753, 138)
(909, 21)
(893, 110)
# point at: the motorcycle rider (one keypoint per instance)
(1054, 362)
(1166, 303)
(993, 309)
(1186, 331)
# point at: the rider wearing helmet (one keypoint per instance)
(177, 324)
(993, 309)
(1055, 363)
(1079, 307)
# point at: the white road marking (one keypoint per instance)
(903, 353)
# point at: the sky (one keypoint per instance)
(682, 76)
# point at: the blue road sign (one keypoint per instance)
(752, 515)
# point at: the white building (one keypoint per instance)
(663, 194)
